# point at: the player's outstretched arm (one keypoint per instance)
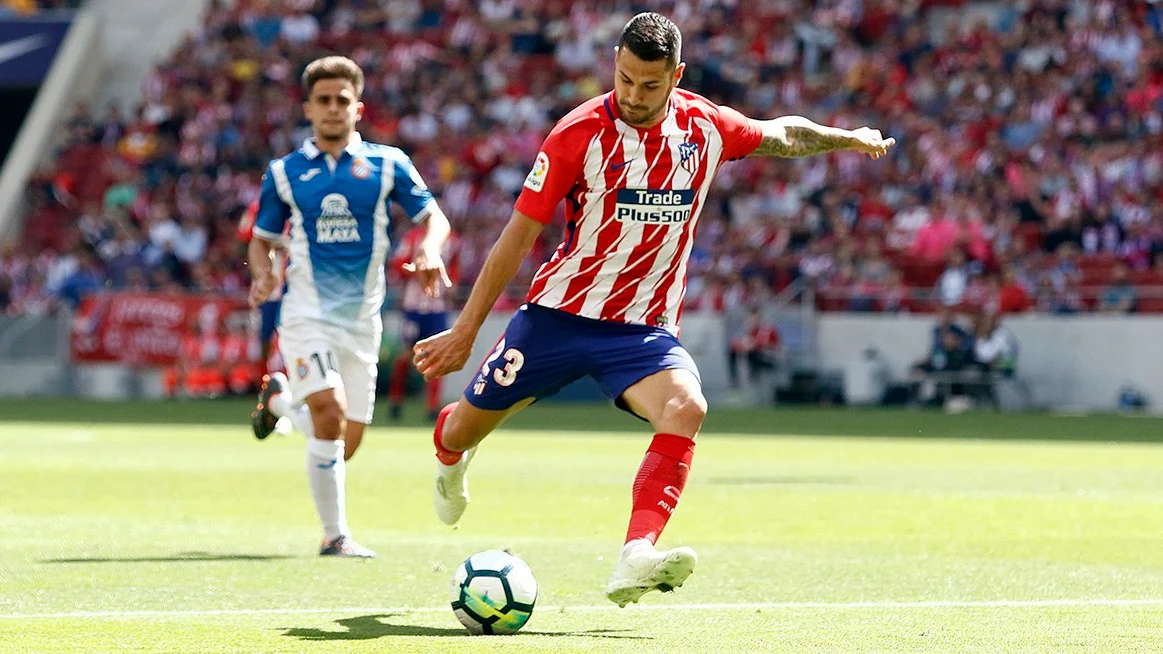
(796, 136)
(449, 350)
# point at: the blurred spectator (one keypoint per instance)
(946, 322)
(937, 376)
(864, 290)
(954, 280)
(1065, 273)
(1119, 296)
(1064, 299)
(894, 297)
(1064, 230)
(995, 352)
(1100, 233)
(85, 279)
(190, 244)
(1138, 248)
(1012, 297)
(983, 294)
(756, 345)
(994, 347)
(872, 266)
(907, 222)
(817, 264)
(935, 238)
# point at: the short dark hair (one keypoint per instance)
(334, 67)
(652, 37)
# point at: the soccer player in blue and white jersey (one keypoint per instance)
(335, 193)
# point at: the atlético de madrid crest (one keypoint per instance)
(688, 156)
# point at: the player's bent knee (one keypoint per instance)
(329, 418)
(464, 428)
(467, 425)
(684, 414)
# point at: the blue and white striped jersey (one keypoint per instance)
(339, 227)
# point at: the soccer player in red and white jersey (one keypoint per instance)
(423, 315)
(269, 310)
(633, 167)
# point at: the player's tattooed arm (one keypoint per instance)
(799, 142)
(796, 136)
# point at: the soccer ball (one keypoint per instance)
(493, 592)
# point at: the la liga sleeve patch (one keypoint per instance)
(535, 181)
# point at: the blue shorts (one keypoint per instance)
(416, 326)
(544, 350)
(268, 319)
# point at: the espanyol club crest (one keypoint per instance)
(360, 169)
(301, 368)
(688, 154)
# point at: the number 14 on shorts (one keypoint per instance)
(321, 361)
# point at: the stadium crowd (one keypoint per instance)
(1029, 174)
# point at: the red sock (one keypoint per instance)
(399, 377)
(447, 457)
(433, 395)
(659, 484)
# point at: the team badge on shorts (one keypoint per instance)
(688, 154)
(301, 368)
(360, 169)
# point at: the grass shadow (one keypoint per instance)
(371, 627)
(180, 557)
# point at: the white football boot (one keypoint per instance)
(451, 497)
(642, 568)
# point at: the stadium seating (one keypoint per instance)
(471, 99)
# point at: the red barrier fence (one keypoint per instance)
(148, 328)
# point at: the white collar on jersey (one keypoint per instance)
(670, 123)
(669, 126)
(353, 146)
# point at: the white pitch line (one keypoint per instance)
(741, 606)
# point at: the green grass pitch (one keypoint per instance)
(166, 528)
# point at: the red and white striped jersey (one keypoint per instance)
(633, 199)
(414, 297)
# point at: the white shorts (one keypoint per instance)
(321, 357)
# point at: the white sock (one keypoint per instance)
(328, 474)
(281, 404)
(301, 418)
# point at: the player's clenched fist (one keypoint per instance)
(443, 353)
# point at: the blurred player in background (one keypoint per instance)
(198, 370)
(268, 311)
(423, 316)
(335, 192)
(240, 357)
(633, 167)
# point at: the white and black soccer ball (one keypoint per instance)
(493, 592)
